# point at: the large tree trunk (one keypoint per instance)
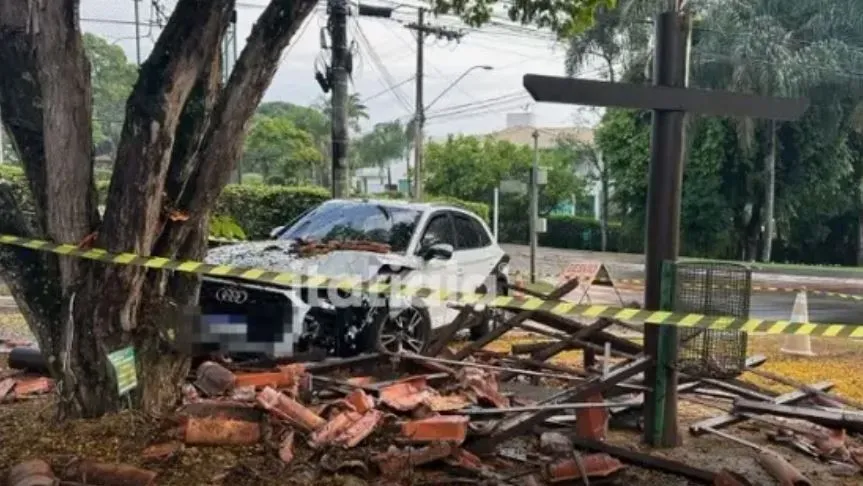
(769, 194)
(179, 145)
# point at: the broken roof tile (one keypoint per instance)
(407, 394)
(447, 403)
(32, 386)
(285, 407)
(360, 429)
(333, 429)
(598, 465)
(360, 400)
(450, 428)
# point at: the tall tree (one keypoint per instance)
(386, 141)
(112, 78)
(357, 111)
(275, 146)
(310, 120)
(757, 46)
(182, 135)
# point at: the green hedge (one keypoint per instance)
(259, 209)
(572, 232)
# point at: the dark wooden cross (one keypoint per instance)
(670, 101)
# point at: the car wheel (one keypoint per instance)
(493, 316)
(407, 329)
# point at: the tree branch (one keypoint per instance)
(64, 76)
(188, 43)
(223, 141)
(21, 101)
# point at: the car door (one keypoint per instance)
(475, 254)
(436, 273)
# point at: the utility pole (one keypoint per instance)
(420, 113)
(534, 205)
(338, 25)
(422, 29)
(137, 32)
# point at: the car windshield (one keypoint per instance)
(353, 221)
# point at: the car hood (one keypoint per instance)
(280, 256)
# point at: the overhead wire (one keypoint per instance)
(389, 89)
(386, 78)
(480, 104)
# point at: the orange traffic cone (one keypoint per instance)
(796, 344)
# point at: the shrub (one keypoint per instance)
(259, 209)
(572, 232)
(253, 178)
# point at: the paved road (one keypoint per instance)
(765, 305)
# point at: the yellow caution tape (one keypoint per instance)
(765, 288)
(558, 307)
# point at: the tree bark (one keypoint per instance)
(769, 194)
(253, 72)
(179, 145)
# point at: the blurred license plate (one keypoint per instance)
(225, 323)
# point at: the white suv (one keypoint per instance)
(419, 245)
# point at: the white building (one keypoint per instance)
(519, 130)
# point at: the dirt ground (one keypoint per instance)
(27, 430)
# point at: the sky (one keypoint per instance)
(385, 51)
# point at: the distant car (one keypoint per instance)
(426, 245)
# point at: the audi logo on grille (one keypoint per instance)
(230, 295)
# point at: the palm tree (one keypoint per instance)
(754, 46)
(357, 111)
(380, 146)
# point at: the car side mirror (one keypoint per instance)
(275, 232)
(440, 251)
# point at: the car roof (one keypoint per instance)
(420, 206)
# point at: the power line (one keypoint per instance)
(389, 89)
(387, 79)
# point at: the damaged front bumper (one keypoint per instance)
(250, 318)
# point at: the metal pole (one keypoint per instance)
(496, 213)
(420, 114)
(534, 205)
(663, 228)
(137, 32)
(454, 83)
(339, 122)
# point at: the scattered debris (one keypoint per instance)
(91, 472)
(591, 466)
(32, 473)
(375, 417)
(555, 444)
(448, 428)
(286, 448)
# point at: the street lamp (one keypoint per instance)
(457, 80)
(419, 121)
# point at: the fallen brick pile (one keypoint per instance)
(403, 424)
(461, 415)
